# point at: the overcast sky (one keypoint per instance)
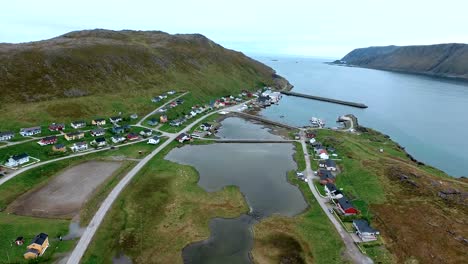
(308, 27)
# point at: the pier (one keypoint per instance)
(264, 120)
(330, 100)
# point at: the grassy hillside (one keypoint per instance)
(100, 72)
(418, 209)
(445, 60)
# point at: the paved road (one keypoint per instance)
(351, 249)
(157, 109)
(88, 234)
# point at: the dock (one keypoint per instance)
(264, 120)
(324, 99)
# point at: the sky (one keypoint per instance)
(313, 28)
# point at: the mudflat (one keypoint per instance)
(66, 193)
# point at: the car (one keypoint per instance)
(299, 174)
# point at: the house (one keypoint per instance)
(16, 160)
(183, 137)
(200, 134)
(171, 92)
(80, 146)
(98, 132)
(324, 156)
(163, 96)
(156, 99)
(173, 104)
(99, 142)
(133, 116)
(163, 119)
(56, 127)
(332, 192)
(78, 124)
(118, 130)
(153, 140)
(132, 136)
(176, 122)
(193, 113)
(310, 135)
(59, 148)
(7, 135)
(117, 139)
(115, 119)
(180, 101)
(146, 132)
(74, 135)
(328, 164)
(31, 131)
(98, 122)
(325, 176)
(37, 247)
(345, 206)
(206, 126)
(365, 231)
(152, 122)
(48, 141)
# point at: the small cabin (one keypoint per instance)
(38, 246)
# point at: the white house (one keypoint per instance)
(117, 139)
(171, 92)
(6, 135)
(17, 160)
(115, 119)
(99, 142)
(78, 124)
(153, 140)
(80, 146)
(324, 156)
(332, 192)
(30, 131)
(328, 164)
(206, 126)
(146, 132)
(365, 231)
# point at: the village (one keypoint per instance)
(108, 133)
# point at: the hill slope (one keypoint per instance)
(98, 73)
(103, 61)
(444, 60)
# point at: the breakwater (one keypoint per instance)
(325, 99)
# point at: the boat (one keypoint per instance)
(317, 122)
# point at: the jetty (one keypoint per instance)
(264, 120)
(330, 100)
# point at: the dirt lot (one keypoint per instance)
(64, 195)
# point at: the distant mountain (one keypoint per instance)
(93, 62)
(444, 60)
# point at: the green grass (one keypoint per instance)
(299, 157)
(320, 188)
(12, 226)
(162, 200)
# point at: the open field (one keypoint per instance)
(12, 226)
(161, 201)
(402, 199)
(306, 238)
(64, 196)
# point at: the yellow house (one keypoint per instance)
(74, 135)
(98, 122)
(37, 247)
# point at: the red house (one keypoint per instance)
(56, 127)
(48, 141)
(310, 135)
(346, 207)
(132, 136)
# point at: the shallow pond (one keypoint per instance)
(260, 171)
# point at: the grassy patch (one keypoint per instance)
(310, 237)
(12, 226)
(161, 201)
